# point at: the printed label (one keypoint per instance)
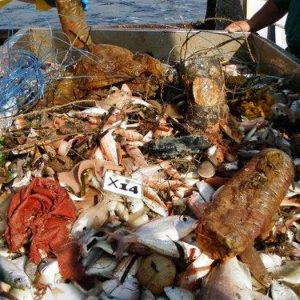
(122, 185)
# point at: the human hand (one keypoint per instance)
(241, 26)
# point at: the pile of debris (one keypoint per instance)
(143, 180)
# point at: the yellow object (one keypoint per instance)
(40, 4)
(259, 106)
(4, 2)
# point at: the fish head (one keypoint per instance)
(21, 282)
(185, 225)
(80, 226)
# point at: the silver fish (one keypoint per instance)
(288, 272)
(170, 228)
(12, 275)
(229, 280)
(129, 289)
(177, 293)
(27, 294)
(92, 257)
(147, 295)
(280, 291)
(49, 273)
(104, 266)
(176, 249)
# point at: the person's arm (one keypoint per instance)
(267, 15)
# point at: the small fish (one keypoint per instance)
(170, 228)
(178, 249)
(49, 273)
(104, 266)
(12, 275)
(147, 295)
(280, 291)
(288, 272)
(92, 257)
(63, 291)
(229, 280)
(27, 294)
(129, 289)
(177, 293)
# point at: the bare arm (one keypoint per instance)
(266, 16)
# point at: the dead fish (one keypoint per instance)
(288, 272)
(176, 249)
(177, 293)
(280, 291)
(12, 275)
(170, 228)
(92, 257)
(271, 261)
(104, 266)
(64, 291)
(129, 289)
(49, 273)
(259, 296)
(147, 295)
(177, 146)
(229, 280)
(27, 294)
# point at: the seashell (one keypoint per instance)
(211, 150)
(135, 205)
(205, 190)
(156, 272)
(159, 208)
(271, 261)
(206, 169)
(20, 122)
(232, 166)
(139, 221)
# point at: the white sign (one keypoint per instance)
(122, 185)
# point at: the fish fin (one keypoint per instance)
(123, 242)
(180, 250)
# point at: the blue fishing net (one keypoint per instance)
(22, 81)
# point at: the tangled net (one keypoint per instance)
(21, 83)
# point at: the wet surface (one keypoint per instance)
(18, 14)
